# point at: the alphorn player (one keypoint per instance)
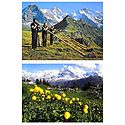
(34, 29)
(44, 34)
(51, 35)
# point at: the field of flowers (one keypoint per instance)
(42, 105)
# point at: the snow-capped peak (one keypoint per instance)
(51, 16)
(71, 72)
(56, 10)
(94, 18)
(67, 73)
(54, 14)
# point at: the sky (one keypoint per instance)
(42, 67)
(67, 7)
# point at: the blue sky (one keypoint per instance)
(42, 67)
(67, 7)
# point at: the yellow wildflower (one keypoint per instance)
(58, 97)
(31, 90)
(86, 106)
(34, 98)
(36, 89)
(41, 91)
(67, 115)
(73, 99)
(55, 95)
(48, 97)
(80, 103)
(47, 92)
(77, 99)
(63, 95)
(66, 99)
(85, 110)
(70, 101)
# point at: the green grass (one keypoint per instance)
(57, 51)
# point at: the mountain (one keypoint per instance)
(81, 29)
(30, 12)
(64, 75)
(81, 83)
(55, 15)
(52, 16)
(94, 18)
(84, 23)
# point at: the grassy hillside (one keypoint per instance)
(47, 107)
(79, 28)
(57, 51)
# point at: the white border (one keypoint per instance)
(11, 62)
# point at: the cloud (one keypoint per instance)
(87, 65)
(90, 66)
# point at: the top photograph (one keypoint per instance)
(62, 30)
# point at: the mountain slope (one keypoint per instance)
(81, 83)
(79, 28)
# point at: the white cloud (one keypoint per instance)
(89, 65)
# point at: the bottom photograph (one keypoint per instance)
(62, 92)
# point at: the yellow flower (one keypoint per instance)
(31, 90)
(47, 92)
(48, 97)
(85, 110)
(86, 106)
(80, 103)
(34, 98)
(66, 99)
(67, 115)
(63, 95)
(70, 101)
(36, 89)
(73, 99)
(41, 91)
(58, 97)
(77, 99)
(55, 95)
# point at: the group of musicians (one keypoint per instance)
(35, 28)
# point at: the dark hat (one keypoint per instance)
(34, 19)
